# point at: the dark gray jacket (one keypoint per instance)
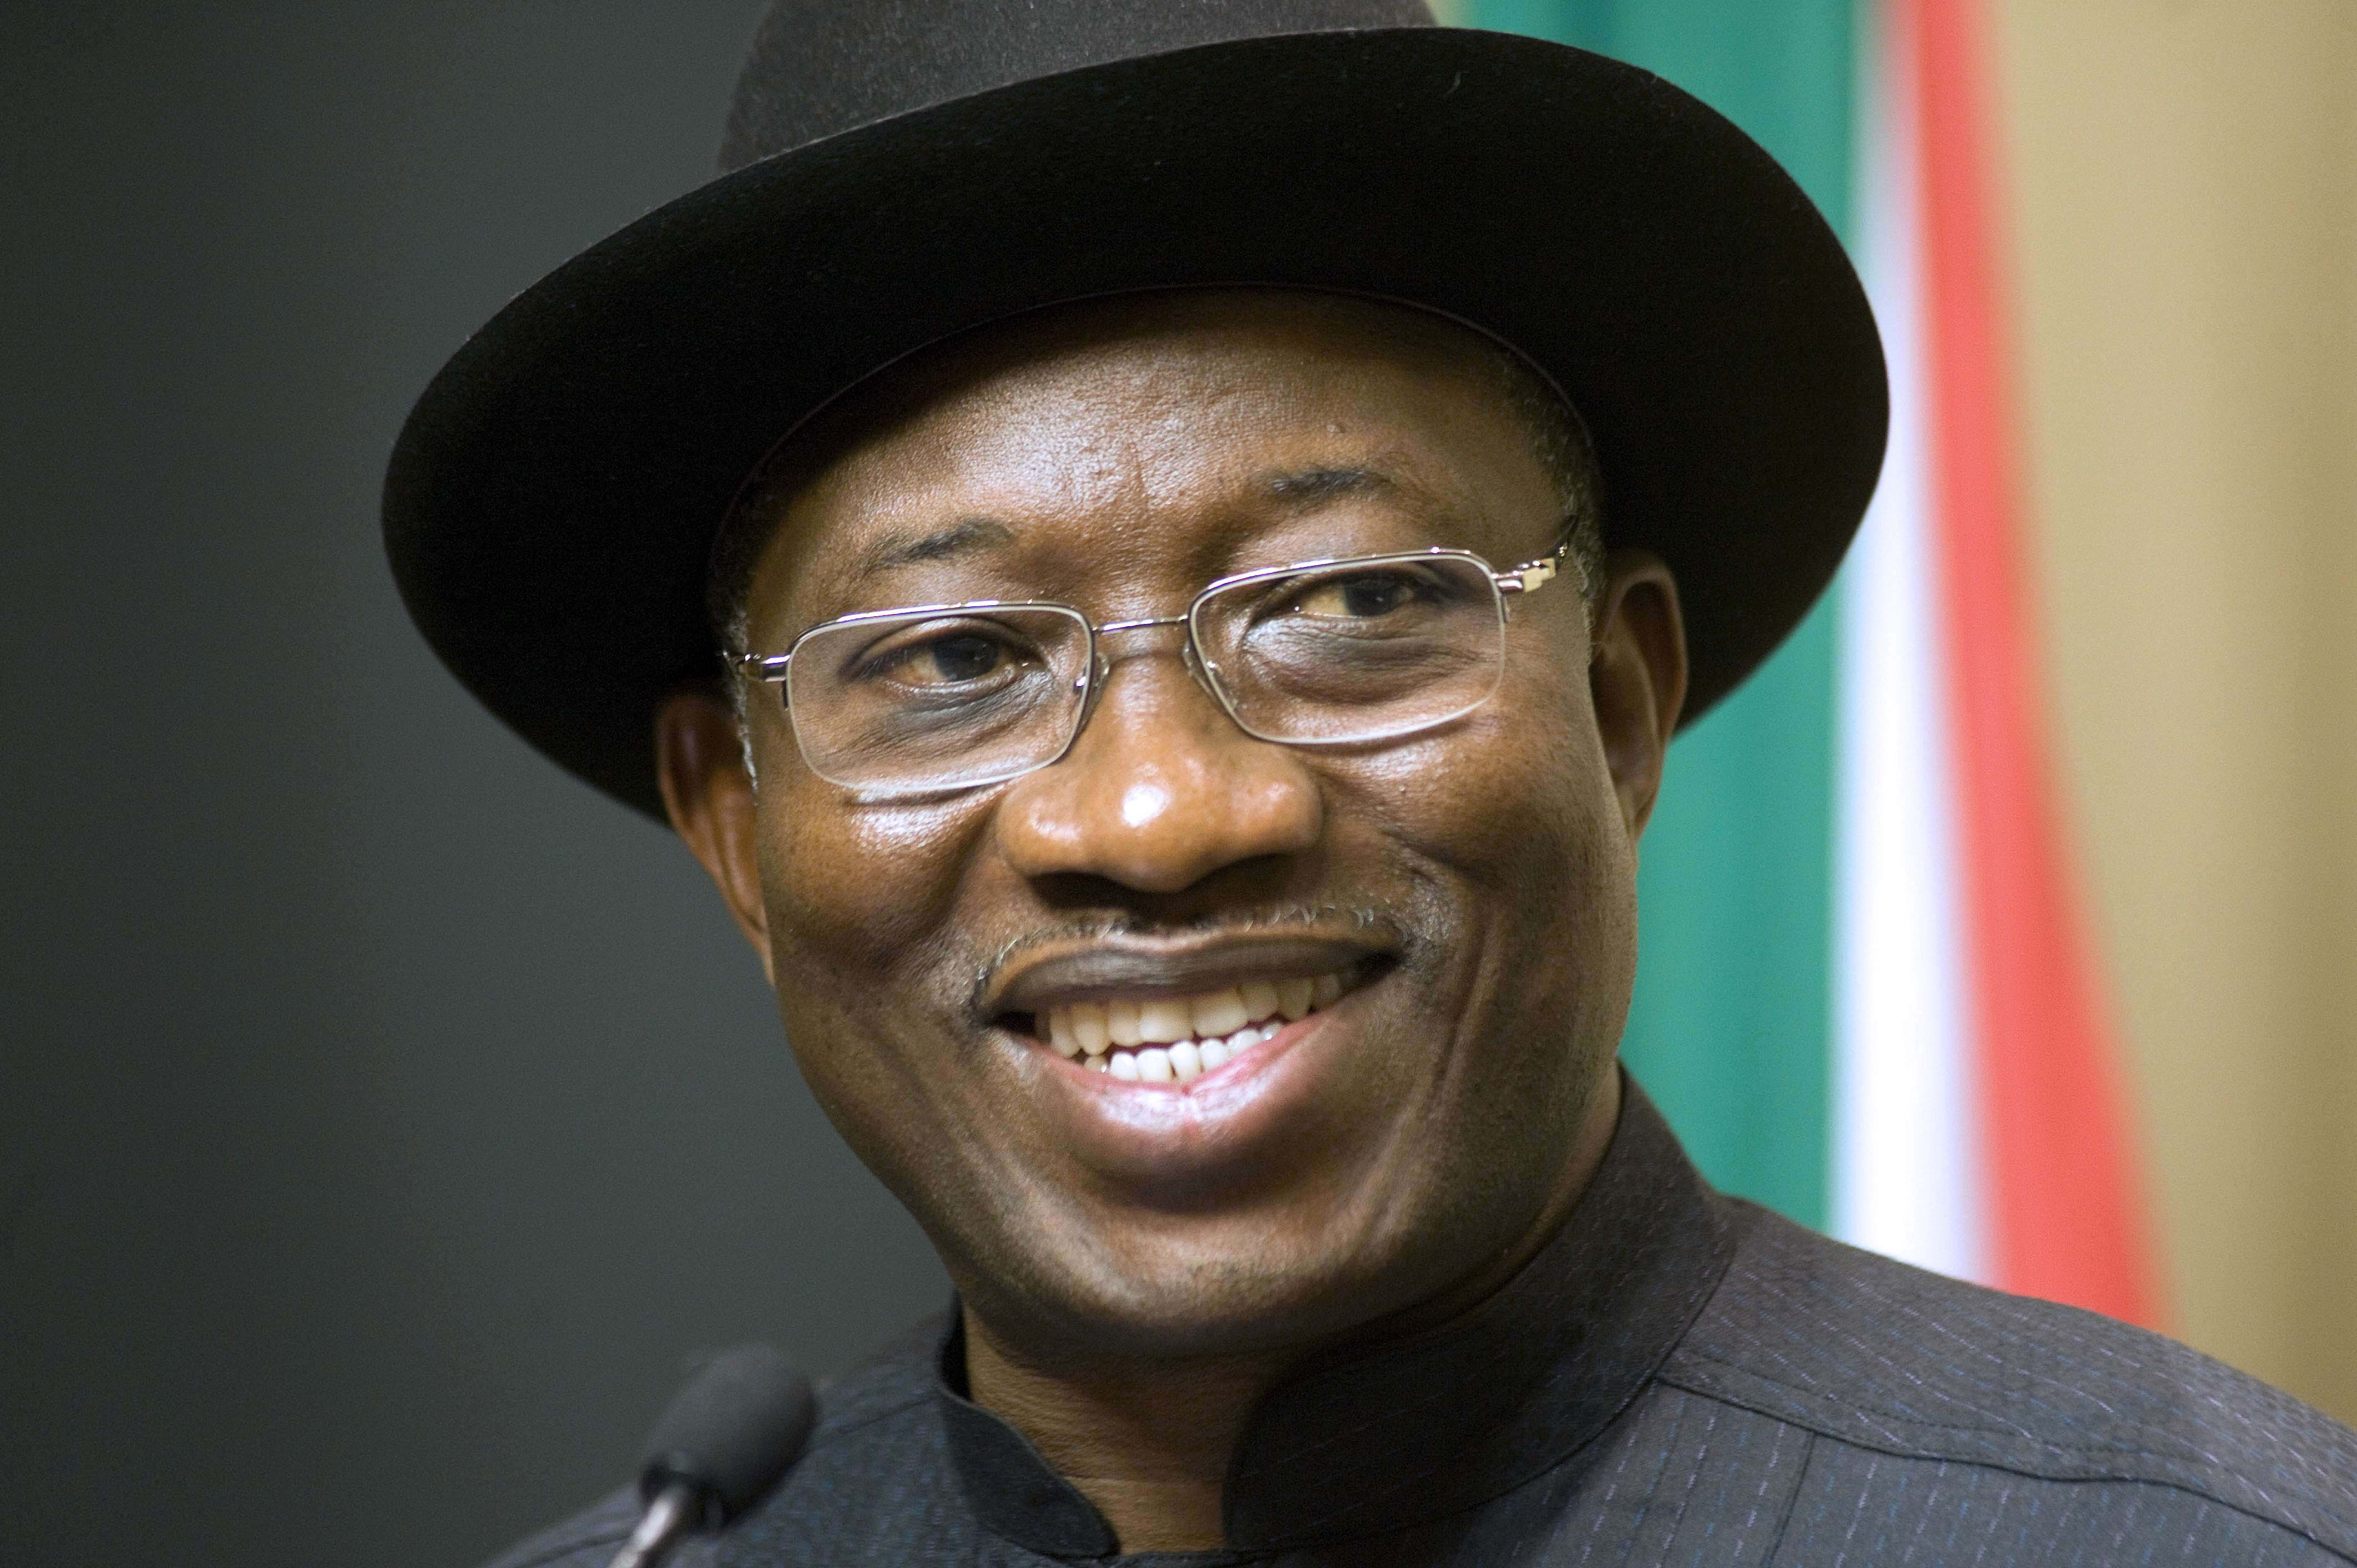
(1678, 1378)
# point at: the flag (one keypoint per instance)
(1866, 996)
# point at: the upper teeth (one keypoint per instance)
(1182, 1036)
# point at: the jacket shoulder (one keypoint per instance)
(897, 1378)
(1884, 1357)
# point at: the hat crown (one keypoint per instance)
(818, 67)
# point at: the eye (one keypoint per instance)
(1361, 596)
(965, 658)
(939, 657)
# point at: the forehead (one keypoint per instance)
(1154, 437)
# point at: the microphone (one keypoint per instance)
(725, 1440)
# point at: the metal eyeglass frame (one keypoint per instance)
(773, 668)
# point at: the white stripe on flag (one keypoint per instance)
(1907, 1172)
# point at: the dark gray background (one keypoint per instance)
(383, 1117)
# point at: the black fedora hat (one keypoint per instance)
(898, 171)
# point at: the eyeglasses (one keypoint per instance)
(941, 697)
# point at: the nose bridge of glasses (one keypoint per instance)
(1144, 623)
(1142, 649)
(1101, 666)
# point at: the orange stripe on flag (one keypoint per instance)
(2063, 1202)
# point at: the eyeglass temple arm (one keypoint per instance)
(1531, 575)
(769, 665)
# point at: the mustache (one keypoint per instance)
(1276, 918)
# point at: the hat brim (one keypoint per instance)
(552, 500)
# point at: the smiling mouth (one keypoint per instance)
(1172, 1039)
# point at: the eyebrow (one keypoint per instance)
(1304, 490)
(1311, 486)
(966, 535)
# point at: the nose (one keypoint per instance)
(1161, 789)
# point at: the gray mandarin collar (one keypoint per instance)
(1381, 1440)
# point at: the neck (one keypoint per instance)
(1148, 1442)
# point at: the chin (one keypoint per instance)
(1233, 1287)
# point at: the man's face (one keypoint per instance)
(1468, 890)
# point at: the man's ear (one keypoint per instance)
(700, 763)
(1637, 676)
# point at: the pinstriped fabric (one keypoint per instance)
(1860, 1507)
(1686, 1481)
(1677, 1480)
(1904, 1363)
(1726, 1490)
(1680, 1380)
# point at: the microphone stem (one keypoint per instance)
(675, 1510)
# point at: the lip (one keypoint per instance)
(1184, 1144)
(1128, 966)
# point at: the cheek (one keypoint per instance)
(1516, 797)
(872, 975)
(860, 897)
(1577, 860)
(1514, 814)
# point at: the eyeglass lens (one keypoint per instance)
(1354, 651)
(938, 700)
(1357, 650)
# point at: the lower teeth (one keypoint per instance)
(1178, 1063)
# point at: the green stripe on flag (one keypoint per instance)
(1732, 1029)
